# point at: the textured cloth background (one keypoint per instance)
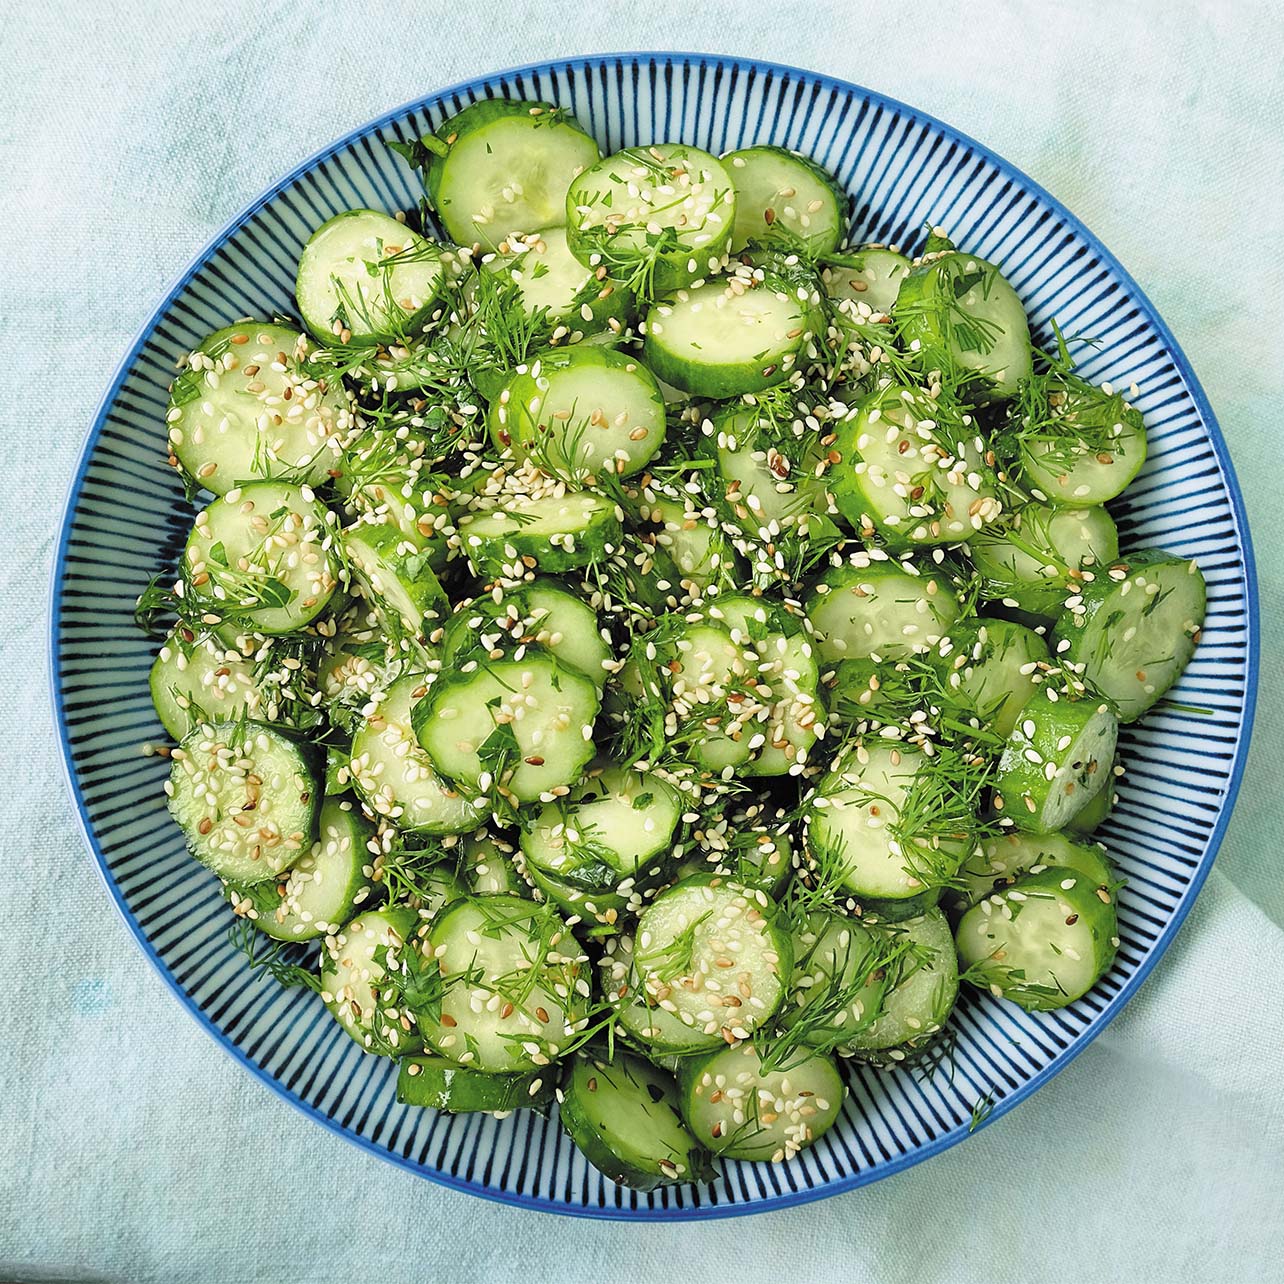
(131, 1149)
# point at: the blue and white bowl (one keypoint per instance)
(125, 517)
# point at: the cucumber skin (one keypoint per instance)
(442, 1085)
(1018, 778)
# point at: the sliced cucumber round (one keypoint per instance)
(715, 950)
(921, 993)
(368, 276)
(201, 681)
(990, 669)
(396, 777)
(877, 825)
(1076, 444)
(396, 576)
(1002, 860)
(502, 166)
(1038, 556)
(1054, 758)
(727, 336)
(657, 217)
(354, 968)
(910, 472)
(871, 276)
(554, 285)
(1043, 942)
(783, 197)
(513, 728)
(246, 798)
(959, 312)
(646, 1021)
(541, 613)
(595, 851)
(513, 985)
(624, 1116)
(245, 408)
(261, 557)
(488, 865)
(552, 534)
(324, 888)
(867, 607)
(1135, 627)
(741, 1109)
(577, 412)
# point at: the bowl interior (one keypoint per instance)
(126, 517)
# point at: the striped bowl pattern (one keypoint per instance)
(126, 516)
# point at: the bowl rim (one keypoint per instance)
(843, 1183)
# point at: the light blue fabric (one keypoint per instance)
(131, 1149)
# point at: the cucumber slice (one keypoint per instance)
(324, 888)
(692, 541)
(261, 557)
(783, 196)
(1076, 444)
(354, 968)
(646, 1021)
(769, 490)
(245, 408)
(871, 276)
(438, 1084)
(921, 995)
(883, 829)
(488, 866)
(502, 166)
(515, 728)
(741, 1109)
(513, 985)
(839, 979)
(623, 1114)
(552, 534)
(785, 714)
(385, 476)
(715, 951)
(724, 337)
(1134, 628)
(656, 217)
(396, 577)
(246, 798)
(908, 471)
(598, 849)
(1092, 815)
(580, 411)
(201, 681)
(1001, 861)
(1053, 758)
(554, 285)
(396, 777)
(1043, 942)
(1039, 555)
(750, 845)
(540, 613)
(866, 607)
(367, 276)
(991, 668)
(963, 316)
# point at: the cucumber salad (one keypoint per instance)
(636, 648)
